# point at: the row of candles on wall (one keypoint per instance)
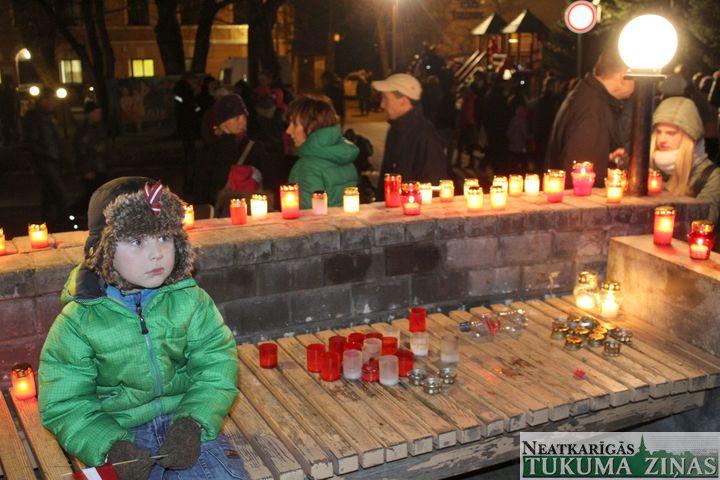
(371, 357)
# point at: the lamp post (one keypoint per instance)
(647, 43)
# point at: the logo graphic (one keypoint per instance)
(580, 16)
(619, 455)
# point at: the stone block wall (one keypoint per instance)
(277, 277)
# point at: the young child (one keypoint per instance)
(139, 362)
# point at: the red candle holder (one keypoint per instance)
(3, 249)
(38, 234)
(655, 181)
(554, 185)
(583, 178)
(664, 225)
(238, 211)
(389, 345)
(356, 337)
(330, 366)
(371, 370)
(337, 343)
(314, 353)
(23, 381)
(377, 335)
(405, 361)
(290, 201)
(268, 355)
(411, 198)
(417, 319)
(701, 239)
(393, 183)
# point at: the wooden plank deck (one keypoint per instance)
(288, 424)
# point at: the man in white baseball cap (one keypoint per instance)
(413, 147)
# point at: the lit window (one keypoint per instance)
(142, 67)
(70, 71)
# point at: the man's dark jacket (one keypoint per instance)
(413, 149)
(586, 128)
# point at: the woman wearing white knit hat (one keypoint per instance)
(678, 151)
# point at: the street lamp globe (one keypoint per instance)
(61, 93)
(647, 43)
(34, 90)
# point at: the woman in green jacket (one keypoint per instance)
(325, 158)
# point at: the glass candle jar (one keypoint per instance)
(393, 181)
(474, 199)
(447, 190)
(532, 184)
(319, 203)
(501, 180)
(290, 201)
(701, 239)
(258, 206)
(663, 225)
(610, 299)
(352, 364)
(583, 178)
(411, 198)
(426, 193)
(655, 181)
(419, 343)
(498, 197)
(615, 186)
(515, 185)
(188, 217)
(38, 234)
(470, 182)
(554, 185)
(238, 211)
(586, 291)
(3, 248)
(351, 200)
(23, 381)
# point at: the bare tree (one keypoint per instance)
(262, 15)
(169, 38)
(206, 18)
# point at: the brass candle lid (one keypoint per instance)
(573, 342)
(587, 278)
(609, 326)
(587, 322)
(600, 330)
(610, 286)
(702, 226)
(596, 339)
(665, 210)
(559, 331)
(581, 332)
(611, 347)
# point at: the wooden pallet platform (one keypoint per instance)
(288, 424)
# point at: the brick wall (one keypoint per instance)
(276, 276)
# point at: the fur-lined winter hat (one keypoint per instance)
(134, 207)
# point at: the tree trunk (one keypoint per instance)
(208, 10)
(38, 31)
(261, 51)
(381, 28)
(105, 43)
(169, 38)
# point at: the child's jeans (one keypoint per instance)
(218, 458)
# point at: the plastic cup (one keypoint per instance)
(371, 370)
(268, 355)
(405, 361)
(377, 335)
(352, 364)
(337, 344)
(419, 343)
(356, 337)
(391, 331)
(417, 319)
(353, 346)
(389, 370)
(371, 349)
(314, 353)
(449, 349)
(330, 366)
(389, 345)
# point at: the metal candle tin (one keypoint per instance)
(623, 335)
(611, 347)
(596, 339)
(416, 376)
(573, 342)
(447, 375)
(587, 322)
(600, 330)
(559, 332)
(581, 332)
(432, 385)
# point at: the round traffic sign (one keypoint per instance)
(580, 16)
